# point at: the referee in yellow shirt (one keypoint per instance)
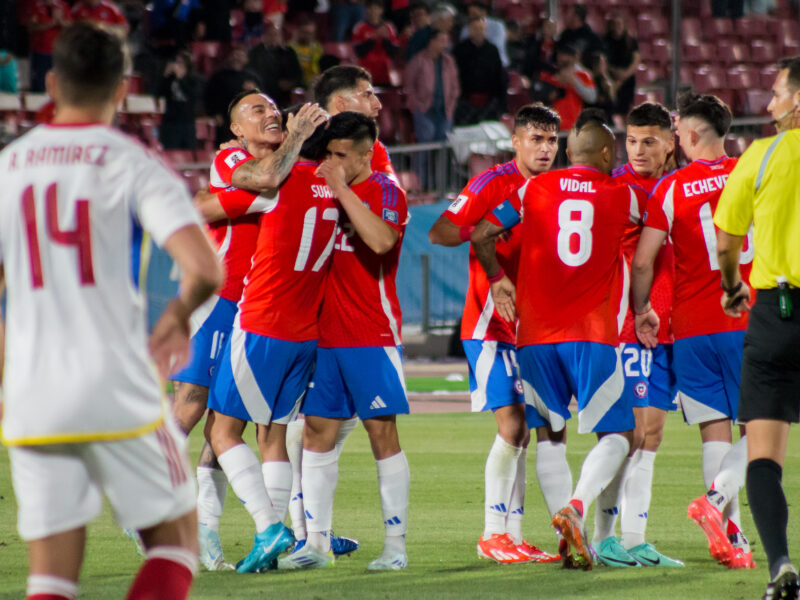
(764, 189)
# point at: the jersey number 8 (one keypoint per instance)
(80, 237)
(568, 226)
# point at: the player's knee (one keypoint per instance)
(653, 440)
(514, 433)
(546, 434)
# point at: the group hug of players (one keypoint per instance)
(547, 318)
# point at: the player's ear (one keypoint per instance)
(236, 129)
(569, 156)
(121, 92)
(515, 141)
(339, 103)
(51, 85)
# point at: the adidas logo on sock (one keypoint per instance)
(642, 515)
(297, 498)
(518, 511)
(377, 403)
(715, 498)
(501, 508)
(392, 521)
(308, 515)
(611, 511)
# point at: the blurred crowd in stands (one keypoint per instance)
(436, 64)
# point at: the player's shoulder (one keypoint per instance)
(386, 186)
(230, 157)
(662, 185)
(498, 175)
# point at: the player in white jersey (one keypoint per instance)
(84, 413)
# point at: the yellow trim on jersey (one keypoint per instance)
(75, 438)
(764, 189)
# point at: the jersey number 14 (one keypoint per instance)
(80, 236)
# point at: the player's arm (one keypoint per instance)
(646, 319)
(202, 276)
(266, 175)
(446, 233)
(371, 228)
(209, 206)
(736, 295)
(483, 240)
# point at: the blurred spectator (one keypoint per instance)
(181, 88)
(604, 84)
(622, 51)
(442, 19)
(102, 12)
(727, 8)
(344, 15)
(46, 21)
(375, 43)
(431, 88)
(483, 80)
(579, 35)
(276, 66)
(495, 28)
(516, 46)
(419, 16)
(327, 61)
(223, 85)
(253, 26)
(540, 51)
(399, 14)
(173, 22)
(217, 20)
(274, 11)
(307, 48)
(8, 72)
(570, 86)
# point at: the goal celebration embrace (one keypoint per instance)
(630, 319)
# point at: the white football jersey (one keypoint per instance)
(76, 206)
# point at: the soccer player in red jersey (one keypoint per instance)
(649, 378)
(573, 223)
(489, 346)
(708, 344)
(100, 12)
(359, 362)
(256, 122)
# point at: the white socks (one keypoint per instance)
(244, 473)
(552, 471)
(637, 489)
(607, 509)
(294, 447)
(345, 429)
(212, 485)
(599, 468)
(713, 452)
(501, 471)
(516, 504)
(320, 475)
(730, 478)
(394, 480)
(50, 584)
(278, 481)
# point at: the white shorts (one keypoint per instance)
(146, 479)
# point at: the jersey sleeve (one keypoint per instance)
(734, 212)
(162, 204)
(658, 207)
(393, 206)
(508, 213)
(226, 163)
(236, 202)
(381, 162)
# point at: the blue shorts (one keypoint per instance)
(211, 325)
(553, 373)
(649, 378)
(261, 379)
(708, 368)
(364, 381)
(493, 378)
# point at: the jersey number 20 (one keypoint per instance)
(80, 237)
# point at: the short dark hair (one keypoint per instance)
(373, 2)
(354, 126)
(592, 115)
(792, 63)
(649, 114)
(89, 62)
(565, 48)
(240, 95)
(537, 115)
(419, 4)
(581, 11)
(477, 3)
(708, 108)
(314, 147)
(336, 79)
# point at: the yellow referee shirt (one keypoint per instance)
(764, 189)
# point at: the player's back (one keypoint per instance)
(284, 287)
(74, 202)
(683, 204)
(570, 280)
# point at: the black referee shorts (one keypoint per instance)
(770, 387)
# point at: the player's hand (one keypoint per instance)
(229, 144)
(647, 328)
(505, 299)
(333, 173)
(306, 120)
(169, 342)
(738, 304)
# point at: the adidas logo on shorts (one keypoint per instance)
(377, 403)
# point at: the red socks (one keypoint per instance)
(577, 505)
(166, 575)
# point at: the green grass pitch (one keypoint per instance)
(446, 453)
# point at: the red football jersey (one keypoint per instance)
(570, 281)
(661, 292)
(235, 238)
(105, 12)
(284, 287)
(43, 13)
(360, 307)
(476, 201)
(380, 162)
(683, 205)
